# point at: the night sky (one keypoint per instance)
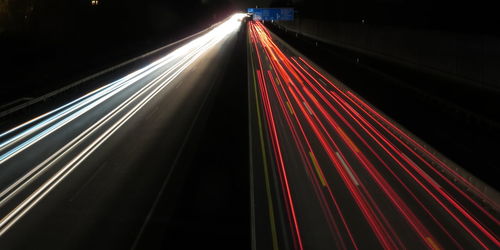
(54, 19)
(36, 32)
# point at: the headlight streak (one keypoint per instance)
(92, 100)
(81, 105)
(104, 93)
(40, 169)
(366, 151)
(80, 108)
(189, 53)
(70, 105)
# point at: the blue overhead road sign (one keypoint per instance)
(268, 14)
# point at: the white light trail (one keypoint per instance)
(40, 127)
(92, 99)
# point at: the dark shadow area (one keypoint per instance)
(45, 45)
(17, 117)
(211, 208)
(446, 15)
(60, 42)
(460, 121)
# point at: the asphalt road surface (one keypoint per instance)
(87, 175)
(329, 171)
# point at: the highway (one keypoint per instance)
(329, 171)
(86, 175)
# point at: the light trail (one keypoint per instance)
(363, 172)
(131, 93)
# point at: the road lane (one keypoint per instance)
(86, 174)
(346, 176)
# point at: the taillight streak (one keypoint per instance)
(278, 154)
(307, 105)
(340, 116)
(431, 182)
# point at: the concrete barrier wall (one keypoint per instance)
(472, 58)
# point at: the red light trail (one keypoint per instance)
(343, 167)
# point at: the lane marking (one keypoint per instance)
(347, 169)
(347, 139)
(289, 107)
(270, 206)
(251, 153)
(88, 181)
(316, 167)
(307, 107)
(433, 244)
